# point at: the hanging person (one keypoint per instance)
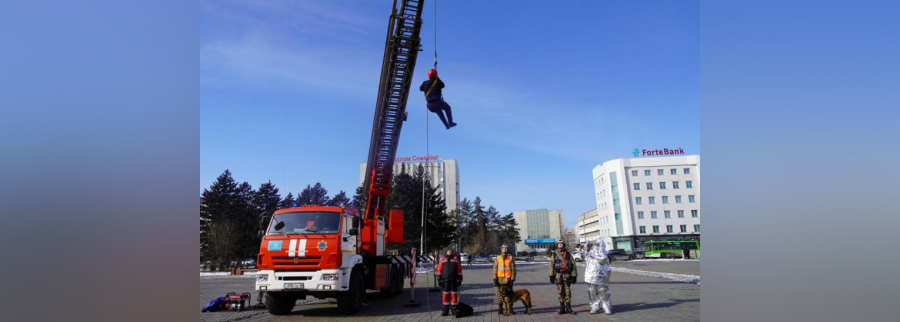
(435, 100)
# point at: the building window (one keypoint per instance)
(634, 173)
(673, 171)
(677, 199)
(667, 213)
(665, 199)
(637, 186)
(637, 200)
(659, 172)
(656, 229)
(688, 184)
(690, 198)
(651, 200)
(649, 185)
(696, 228)
(662, 186)
(683, 228)
(643, 229)
(681, 214)
(640, 215)
(647, 173)
(669, 229)
(653, 214)
(674, 184)
(687, 170)
(694, 213)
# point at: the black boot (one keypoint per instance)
(500, 308)
(445, 311)
(562, 307)
(450, 116)
(569, 308)
(454, 310)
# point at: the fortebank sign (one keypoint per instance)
(645, 152)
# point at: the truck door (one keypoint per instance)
(349, 241)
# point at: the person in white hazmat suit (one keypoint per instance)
(596, 274)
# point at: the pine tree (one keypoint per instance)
(266, 201)
(288, 201)
(226, 215)
(315, 195)
(360, 198)
(340, 200)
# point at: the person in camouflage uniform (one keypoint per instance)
(564, 273)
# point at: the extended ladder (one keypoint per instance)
(400, 52)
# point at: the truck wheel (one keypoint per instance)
(351, 301)
(279, 303)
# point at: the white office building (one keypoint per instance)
(444, 175)
(538, 228)
(640, 199)
(588, 226)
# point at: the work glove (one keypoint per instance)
(440, 281)
(552, 280)
(496, 283)
(573, 279)
(458, 282)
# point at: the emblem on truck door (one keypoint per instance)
(322, 245)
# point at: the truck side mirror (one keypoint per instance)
(261, 232)
(353, 232)
(279, 225)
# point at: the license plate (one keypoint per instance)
(293, 285)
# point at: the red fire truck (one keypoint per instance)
(335, 252)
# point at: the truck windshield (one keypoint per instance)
(306, 223)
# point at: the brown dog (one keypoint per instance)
(510, 297)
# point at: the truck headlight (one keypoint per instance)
(330, 277)
(262, 277)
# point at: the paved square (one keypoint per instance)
(634, 298)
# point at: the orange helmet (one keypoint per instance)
(432, 73)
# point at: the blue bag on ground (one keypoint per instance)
(215, 305)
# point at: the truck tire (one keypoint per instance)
(351, 301)
(279, 303)
(395, 281)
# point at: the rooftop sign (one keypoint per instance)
(645, 152)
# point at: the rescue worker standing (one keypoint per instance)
(596, 274)
(435, 100)
(451, 278)
(504, 274)
(563, 272)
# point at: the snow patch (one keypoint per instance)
(669, 276)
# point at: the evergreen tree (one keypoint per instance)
(315, 195)
(226, 213)
(340, 200)
(360, 198)
(406, 193)
(266, 201)
(508, 232)
(288, 201)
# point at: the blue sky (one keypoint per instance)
(542, 93)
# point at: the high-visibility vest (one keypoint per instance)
(503, 268)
